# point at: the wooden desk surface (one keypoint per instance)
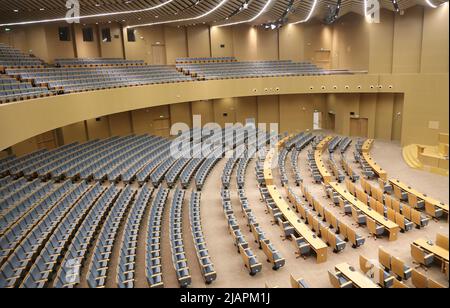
(367, 146)
(321, 147)
(380, 219)
(316, 243)
(359, 279)
(434, 249)
(419, 195)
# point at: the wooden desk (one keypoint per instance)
(321, 147)
(268, 176)
(438, 251)
(428, 200)
(357, 278)
(316, 243)
(390, 226)
(367, 146)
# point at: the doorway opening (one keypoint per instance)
(317, 120)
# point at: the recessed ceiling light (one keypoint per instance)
(42, 9)
(15, 11)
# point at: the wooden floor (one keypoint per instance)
(228, 263)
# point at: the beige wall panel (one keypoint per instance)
(246, 107)
(397, 117)
(120, 124)
(98, 129)
(204, 109)
(224, 111)
(408, 41)
(143, 119)
(176, 44)
(434, 58)
(25, 147)
(181, 113)
(267, 43)
(318, 38)
(74, 133)
(113, 49)
(222, 36)
(296, 112)
(58, 49)
(292, 43)
(367, 109)
(342, 105)
(351, 43)
(87, 49)
(245, 42)
(268, 110)
(146, 37)
(384, 115)
(198, 41)
(381, 42)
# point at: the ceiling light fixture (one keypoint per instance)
(313, 7)
(218, 6)
(249, 20)
(87, 16)
(431, 4)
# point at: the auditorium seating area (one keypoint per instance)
(11, 57)
(31, 78)
(241, 144)
(62, 211)
(233, 69)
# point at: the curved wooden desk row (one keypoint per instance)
(433, 207)
(391, 227)
(367, 146)
(300, 228)
(291, 217)
(268, 176)
(431, 204)
(321, 147)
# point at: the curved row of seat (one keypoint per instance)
(126, 266)
(189, 171)
(315, 221)
(204, 259)
(96, 62)
(304, 140)
(70, 242)
(357, 154)
(338, 173)
(349, 171)
(12, 236)
(143, 175)
(17, 259)
(44, 260)
(9, 215)
(410, 213)
(68, 275)
(345, 144)
(179, 258)
(312, 161)
(273, 255)
(249, 257)
(386, 211)
(333, 144)
(153, 265)
(99, 265)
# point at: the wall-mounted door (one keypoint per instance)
(161, 127)
(359, 127)
(158, 55)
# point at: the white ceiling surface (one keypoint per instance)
(188, 11)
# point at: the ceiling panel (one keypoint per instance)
(186, 12)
